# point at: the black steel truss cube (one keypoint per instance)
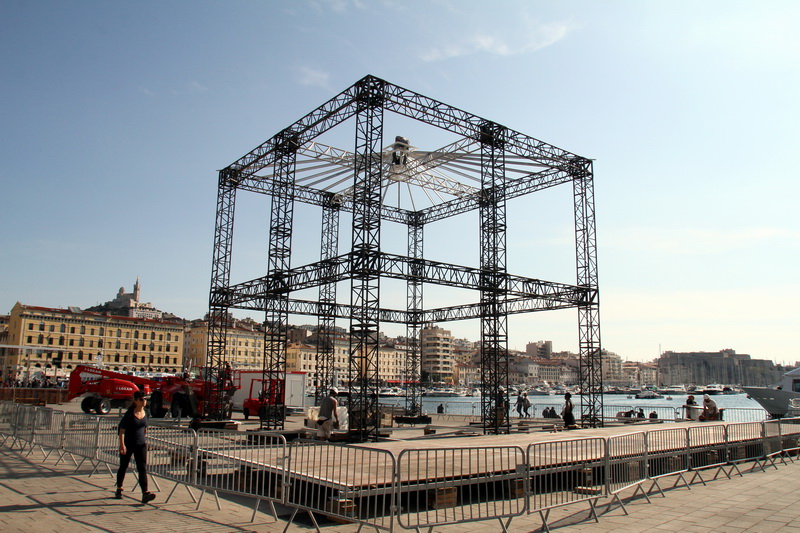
(487, 165)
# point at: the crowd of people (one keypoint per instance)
(45, 382)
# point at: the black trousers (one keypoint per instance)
(139, 453)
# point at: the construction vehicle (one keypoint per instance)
(105, 389)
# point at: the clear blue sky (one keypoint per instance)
(117, 115)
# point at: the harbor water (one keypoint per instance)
(739, 408)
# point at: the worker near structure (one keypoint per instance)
(328, 415)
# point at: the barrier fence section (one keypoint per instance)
(7, 410)
(626, 465)
(48, 431)
(565, 472)
(773, 446)
(422, 488)
(790, 437)
(171, 454)
(452, 485)
(745, 414)
(746, 443)
(247, 463)
(345, 483)
(707, 450)
(667, 455)
(23, 421)
(80, 437)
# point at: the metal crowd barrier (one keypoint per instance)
(453, 485)
(745, 443)
(171, 455)
(667, 455)
(7, 410)
(565, 472)
(48, 431)
(707, 450)
(790, 437)
(626, 465)
(346, 483)
(80, 438)
(23, 421)
(246, 463)
(422, 488)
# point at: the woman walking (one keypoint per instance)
(132, 431)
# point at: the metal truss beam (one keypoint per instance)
(591, 375)
(326, 310)
(365, 276)
(493, 282)
(414, 320)
(403, 268)
(276, 316)
(219, 303)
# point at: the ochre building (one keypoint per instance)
(39, 337)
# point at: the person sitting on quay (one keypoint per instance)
(690, 408)
(710, 411)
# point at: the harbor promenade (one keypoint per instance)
(38, 495)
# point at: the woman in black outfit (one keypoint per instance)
(132, 441)
(569, 418)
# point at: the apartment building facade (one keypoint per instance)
(436, 355)
(39, 340)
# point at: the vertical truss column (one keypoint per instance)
(494, 322)
(326, 315)
(411, 373)
(365, 280)
(218, 301)
(591, 367)
(276, 319)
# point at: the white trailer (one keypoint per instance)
(295, 387)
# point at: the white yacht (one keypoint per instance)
(776, 399)
(713, 388)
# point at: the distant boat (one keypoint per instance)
(648, 395)
(776, 400)
(713, 388)
(674, 389)
(443, 393)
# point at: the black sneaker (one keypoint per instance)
(118, 494)
(148, 497)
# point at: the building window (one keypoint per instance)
(30, 326)
(83, 330)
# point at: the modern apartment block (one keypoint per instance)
(436, 355)
(39, 339)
